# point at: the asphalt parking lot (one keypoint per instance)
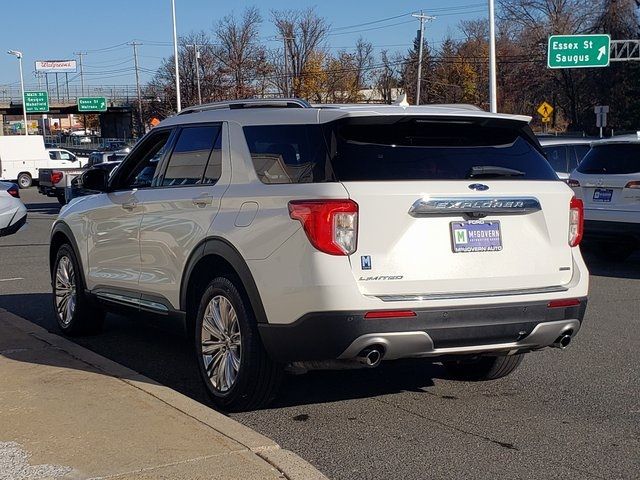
(571, 414)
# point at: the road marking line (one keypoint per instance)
(10, 279)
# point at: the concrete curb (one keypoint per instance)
(287, 462)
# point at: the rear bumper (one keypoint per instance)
(15, 226)
(431, 333)
(599, 230)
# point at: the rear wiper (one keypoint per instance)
(493, 171)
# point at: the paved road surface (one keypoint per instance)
(572, 414)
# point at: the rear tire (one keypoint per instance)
(25, 180)
(236, 369)
(74, 312)
(483, 368)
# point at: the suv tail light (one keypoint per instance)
(14, 191)
(56, 177)
(634, 184)
(576, 221)
(573, 183)
(331, 225)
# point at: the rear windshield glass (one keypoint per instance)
(612, 159)
(394, 148)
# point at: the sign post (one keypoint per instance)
(578, 51)
(92, 104)
(545, 110)
(36, 102)
(601, 116)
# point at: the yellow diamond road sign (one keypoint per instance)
(545, 110)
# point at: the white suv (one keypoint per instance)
(608, 182)
(329, 237)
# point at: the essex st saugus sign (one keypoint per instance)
(578, 51)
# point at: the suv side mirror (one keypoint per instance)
(95, 179)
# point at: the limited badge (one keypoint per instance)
(365, 262)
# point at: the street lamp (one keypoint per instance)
(175, 55)
(18, 55)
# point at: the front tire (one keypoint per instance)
(24, 180)
(483, 368)
(238, 373)
(74, 313)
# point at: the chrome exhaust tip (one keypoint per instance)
(371, 356)
(562, 341)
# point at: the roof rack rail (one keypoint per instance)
(248, 103)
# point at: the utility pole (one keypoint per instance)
(196, 53)
(80, 54)
(285, 43)
(135, 63)
(422, 18)
(493, 100)
(175, 55)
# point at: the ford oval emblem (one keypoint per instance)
(480, 187)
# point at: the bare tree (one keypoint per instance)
(242, 54)
(304, 32)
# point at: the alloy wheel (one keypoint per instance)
(221, 343)
(65, 290)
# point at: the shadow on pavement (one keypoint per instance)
(629, 268)
(51, 208)
(162, 353)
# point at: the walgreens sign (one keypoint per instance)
(56, 66)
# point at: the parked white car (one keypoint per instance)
(329, 237)
(564, 153)
(608, 182)
(13, 213)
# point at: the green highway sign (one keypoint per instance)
(92, 104)
(578, 51)
(36, 102)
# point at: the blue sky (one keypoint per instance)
(55, 30)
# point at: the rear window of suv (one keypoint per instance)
(612, 159)
(395, 148)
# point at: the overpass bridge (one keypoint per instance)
(116, 122)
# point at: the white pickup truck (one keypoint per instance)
(22, 157)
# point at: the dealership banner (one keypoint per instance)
(56, 66)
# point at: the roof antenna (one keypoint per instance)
(401, 101)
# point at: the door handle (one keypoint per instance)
(129, 205)
(203, 200)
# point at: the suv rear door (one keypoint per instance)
(419, 181)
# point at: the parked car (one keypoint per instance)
(116, 146)
(329, 237)
(96, 158)
(13, 213)
(608, 182)
(22, 157)
(565, 153)
(56, 182)
(64, 158)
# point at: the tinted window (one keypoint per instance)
(612, 159)
(288, 153)
(52, 155)
(65, 156)
(139, 170)
(412, 148)
(580, 152)
(557, 157)
(191, 156)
